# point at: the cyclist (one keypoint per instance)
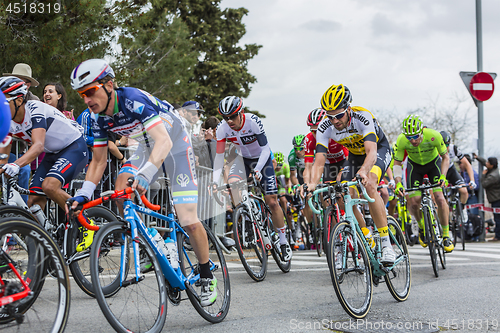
(369, 154)
(47, 130)
(296, 160)
(424, 147)
(282, 171)
(136, 114)
(453, 176)
(248, 133)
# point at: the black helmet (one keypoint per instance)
(446, 137)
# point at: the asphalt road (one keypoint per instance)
(463, 299)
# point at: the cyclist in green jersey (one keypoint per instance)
(296, 160)
(424, 147)
(282, 172)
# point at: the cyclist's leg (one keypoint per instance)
(350, 167)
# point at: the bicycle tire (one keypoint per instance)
(216, 312)
(15, 211)
(253, 255)
(276, 252)
(438, 230)
(141, 306)
(318, 234)
(460, 222)
(304, 228)
(431, 239)
(454, 227)
(80, 268)
(398, 280)
(330, 220)
(346, 278)
(45, 310)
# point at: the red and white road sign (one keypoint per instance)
(481, 86)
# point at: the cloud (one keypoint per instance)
(322, 26)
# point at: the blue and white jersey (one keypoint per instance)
(136, 112)
(60, 131)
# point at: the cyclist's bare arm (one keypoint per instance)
(293, 177)
(38, 138)
(317, 170)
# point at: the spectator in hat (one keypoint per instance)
(491, 183)
(23, 71)
(192, 112)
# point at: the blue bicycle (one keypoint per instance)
(146, 278)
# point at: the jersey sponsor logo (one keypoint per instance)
(38, 120)
(192, 165)
(354, 145)
(258, 122)
(361, 118)
(61, 165)
(324, 126)
(432, 139)
(246, 140)
(129, 104)
(138, 107)
(182, 180)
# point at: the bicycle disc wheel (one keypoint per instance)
(249, 245)
(32, 251)
(80, 264)
(431, 240)
(140, 305)
(216, 312)
(398, 280)
(351, 278)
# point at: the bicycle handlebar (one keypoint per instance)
(310, 203)
(422, 187)
(363, 189)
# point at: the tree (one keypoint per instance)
(222, 65)
(53, 44)
(157, 55)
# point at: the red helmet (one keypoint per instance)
(315, 116)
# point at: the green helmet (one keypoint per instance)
(280, 158)
(412, 125)
(298, 140)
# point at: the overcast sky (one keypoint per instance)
(392, 54)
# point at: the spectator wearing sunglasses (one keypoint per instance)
(427, 155)
(164, 147)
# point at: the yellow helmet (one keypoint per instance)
(336, 97)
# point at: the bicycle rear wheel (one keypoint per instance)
(249, 245)
(431, 240)
(350, 272)
(318, 234)
(33, 251)
(80, 261)
(216, 312)
(398, 280)
(438, 230)
(141, 303)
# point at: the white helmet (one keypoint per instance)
(90, 71)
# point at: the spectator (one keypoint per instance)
(473, 194)
(192, 112)
(23, 71)
(208, 132)
(54, 94)
(491, 183)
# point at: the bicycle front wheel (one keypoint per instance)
(249, 245)
(350, 271)
(318, 234)
(80, 261)
(33, 253)
(398, 280)
(216, 312)
(431, 239)
(329, 220)
(140, 305)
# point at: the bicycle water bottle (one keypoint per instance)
(369, 237)
(159, 240)
(40, 216)
(172, 252)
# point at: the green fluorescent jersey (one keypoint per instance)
(294, 162)
(431, 146)
(285, 171)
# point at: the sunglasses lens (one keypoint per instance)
(299, 148)
(412, 137)
(89, 92)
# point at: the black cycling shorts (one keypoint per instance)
(354, 162)
(416, 173)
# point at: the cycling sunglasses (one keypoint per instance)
(413, 137)
(337, 116)
(233, 117)
(90, 91)
(279, 165)
(299, 148)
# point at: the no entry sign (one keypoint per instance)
(481, 86)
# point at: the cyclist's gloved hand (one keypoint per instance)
(399, 188)
(290, 191)
(258, 175)
(212, 188)
(142, 181)
(472, 184)
(392, 184)
(11, 169)
(442, 180)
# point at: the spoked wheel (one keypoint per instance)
(140, 305)
(249, 244)
(440, 245)
(80, 261)
(304, 229)
(398, 280)
(431, 239)
(318, 234)
(329, 221)
(350, 271)
(33, 253)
